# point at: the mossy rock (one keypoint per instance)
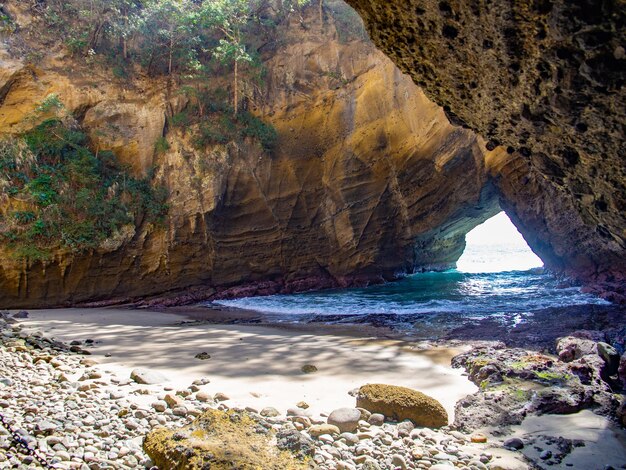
(218, 440)
(400, 403)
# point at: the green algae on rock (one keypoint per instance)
(514, 383)
(400, 403)
(218, 440)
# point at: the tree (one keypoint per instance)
(229, 18)
(169, 30)
(124, 27)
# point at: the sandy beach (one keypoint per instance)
(255, 366)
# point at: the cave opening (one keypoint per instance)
(497, 246)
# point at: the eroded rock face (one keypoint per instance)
(544, 79)
(369, 179)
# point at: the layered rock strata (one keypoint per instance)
(368, 180)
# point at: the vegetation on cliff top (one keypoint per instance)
(206, 39)
(59, 192)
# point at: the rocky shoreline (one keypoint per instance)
(78, 414)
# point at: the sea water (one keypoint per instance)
(498, 275)
(453, 291)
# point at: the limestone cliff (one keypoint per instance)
(368, 178)
(544, 79)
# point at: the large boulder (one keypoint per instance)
(400, 403)
(222, 440)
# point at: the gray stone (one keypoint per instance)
(147, 377)
(571, 348)
(350, 438)
(545, 455)
(404, 428)
(398, 461)
(370, 464)
(299, 412)
(514, 443)
(346, 419)
(63, 455)
(6, 381)
(46, 426)
(297, 443)
(376, 419)
(507, 463)
(270, 412)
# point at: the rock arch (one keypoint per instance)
(543, 82)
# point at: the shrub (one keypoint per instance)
(161, 145)
(181, 119)
(76, 200)
(209, 135)
(23, 217)
(256, 128)
(51, 102)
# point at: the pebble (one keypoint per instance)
(346, 419)
(173, 401)
(398, 461)
(160, 405)
(270, 412)
(349, 438)
(203, 397)
(147, 377)
(92, 424)
(221, 397)
(478, 438)
(376, 419)
(308, 368)
(323, 429)
(514, 443)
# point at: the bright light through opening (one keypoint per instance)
(497, 246)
